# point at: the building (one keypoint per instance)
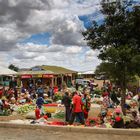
(6, 76)
(48, 75)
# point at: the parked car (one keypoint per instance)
(82, 82)
(100, 77)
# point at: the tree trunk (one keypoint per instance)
(123, 95)
(123, 100)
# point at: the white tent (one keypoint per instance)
(6, 71)
(88, 72)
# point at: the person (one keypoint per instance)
(40, 91)
(77, 86)
(39, 103)
(13, 83)
(106, 101)
(1, 92)
(51, 92)
(114, 98)
(86, 106)
(16, 94)
(47, 100)
(66, 100)
(77, 109)
(32, 94)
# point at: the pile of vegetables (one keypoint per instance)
(5, 112)
(58, 96)
(91, 121)
(98, 91)
(25, 108)
(59, 115)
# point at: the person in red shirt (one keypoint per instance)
(77, 109)
(1, 93)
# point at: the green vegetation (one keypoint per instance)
(57, 96)
(59, 115)
(13, 67)
(25, 109)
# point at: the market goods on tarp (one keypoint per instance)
(53, 104)
(50, 108)
(91, 121)
(56, 123)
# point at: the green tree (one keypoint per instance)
(13, 67)
(108, 69)
(118, 40)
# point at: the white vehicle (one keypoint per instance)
(100, 77)
(82, 82)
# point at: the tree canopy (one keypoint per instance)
(118, 40)
(13, 67)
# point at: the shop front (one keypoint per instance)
(27, 80)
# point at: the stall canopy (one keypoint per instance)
(6, 71)
(86, 72)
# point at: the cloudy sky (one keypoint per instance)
(47, 32)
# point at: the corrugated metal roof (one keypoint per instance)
(58, 70)
(6, 71)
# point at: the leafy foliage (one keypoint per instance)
(13, 67)
(118, 39)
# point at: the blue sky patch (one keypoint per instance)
(41, 38)
(88, 19)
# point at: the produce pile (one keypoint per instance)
(22, 109)
(58, 96)
(5, 112)
(59, 115)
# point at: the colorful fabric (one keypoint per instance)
(77, 102)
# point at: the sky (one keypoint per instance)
(47, 32)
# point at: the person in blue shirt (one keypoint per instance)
(39, 104)
(40, 91)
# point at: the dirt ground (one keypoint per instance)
(100, 82)
(12, 117)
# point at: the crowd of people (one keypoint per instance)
(77, 103)
(13, 95)
(76, 106)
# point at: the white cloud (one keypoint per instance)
(40, 58)
(73, 50)
(55, 48)
(91, 56)
(20, 19)
(91, 53)
(3, 59)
